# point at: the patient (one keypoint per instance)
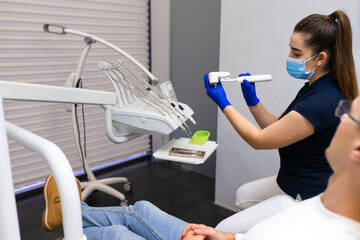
(334, 214)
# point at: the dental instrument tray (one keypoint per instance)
(182, 152)
(188, 153)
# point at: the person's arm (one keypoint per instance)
(208, 232)
(292, 128)
(262, 116)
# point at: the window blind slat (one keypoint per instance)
(83, 5)
(72, 14)
(122, 32)
(30, 20)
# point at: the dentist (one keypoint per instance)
(321, 54)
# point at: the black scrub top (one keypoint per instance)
(304, 169)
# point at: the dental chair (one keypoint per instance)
(60, 168)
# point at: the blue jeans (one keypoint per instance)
(140, 221)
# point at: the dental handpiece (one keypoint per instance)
(253, 78)
(215, 77)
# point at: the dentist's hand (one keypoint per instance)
(217, 94)
(249, 91)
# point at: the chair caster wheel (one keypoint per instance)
(124, 203)
(127, 187)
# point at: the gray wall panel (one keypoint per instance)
(195, 41)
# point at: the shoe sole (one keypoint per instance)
(45, 224)
(45, 212)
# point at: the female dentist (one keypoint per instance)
(320, 52)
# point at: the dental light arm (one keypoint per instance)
(215, 77)
(57, 29)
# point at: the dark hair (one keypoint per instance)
(332, 34)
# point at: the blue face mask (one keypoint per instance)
(296, 68)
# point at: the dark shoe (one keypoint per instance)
(52, 218)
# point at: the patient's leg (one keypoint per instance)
(143, 219)
(117, 232)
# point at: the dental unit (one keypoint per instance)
(131, 88)
(137, 97)
(54, 157)
(140, 107)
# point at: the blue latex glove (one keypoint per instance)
(217, 94)
(249, 92)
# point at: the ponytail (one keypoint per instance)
(344, 67)
(333, 34)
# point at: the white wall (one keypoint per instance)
(255, 38)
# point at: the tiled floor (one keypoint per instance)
(186, 195)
